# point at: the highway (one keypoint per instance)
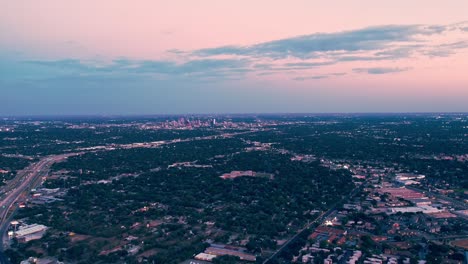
(16, 191)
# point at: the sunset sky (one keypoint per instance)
(171, 57)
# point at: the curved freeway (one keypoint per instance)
(17, 190)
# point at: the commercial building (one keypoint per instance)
(420, 202)
(426, 209)
(30, 232)
(205, 257)
(403, 193)
(409, 176)
(215, 250)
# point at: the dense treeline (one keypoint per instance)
(46, 140)
(193, 197)
(413, 142)
(173, 210)
(11, 166)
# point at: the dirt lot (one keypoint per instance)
(463, 243)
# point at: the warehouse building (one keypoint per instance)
(30, 232)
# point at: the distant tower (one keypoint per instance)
(213, 122)
(181, 121)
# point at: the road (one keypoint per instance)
(307, 228)
(455, 202)
(452, 237)
(16, 191)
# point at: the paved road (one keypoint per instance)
(455, 202)
(307, 228)
(16, 191)
(448, 237)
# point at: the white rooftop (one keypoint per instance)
(30, 229)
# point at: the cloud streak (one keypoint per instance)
(307, 46)
(380, 70)
(387, 43)
(295, 55)
(199, 68)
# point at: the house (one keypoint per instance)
(329, 234)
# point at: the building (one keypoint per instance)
(205, 257)
(30, 232)
(329, 234)
(47, 260)
(426, 209)
(235, 174)
(407, 182)
(420, 202)
(215, 250)
(409, 176)
(403, 193)
(355, 257)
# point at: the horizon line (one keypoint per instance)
(231, 113)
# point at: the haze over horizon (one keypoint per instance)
(180, 57)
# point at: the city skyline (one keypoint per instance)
(85, 57)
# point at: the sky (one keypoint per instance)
(127, 57)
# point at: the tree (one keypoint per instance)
(226, 259)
